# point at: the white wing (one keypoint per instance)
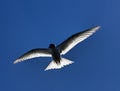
(75, 39)
(34, 53)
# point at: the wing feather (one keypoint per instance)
(75, 39)
(33, 54)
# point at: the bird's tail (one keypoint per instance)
(54, 65)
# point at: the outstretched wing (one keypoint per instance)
(75, 39)
(34, 53)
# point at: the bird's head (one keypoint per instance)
(51, 46)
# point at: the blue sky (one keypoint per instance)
(29, 24)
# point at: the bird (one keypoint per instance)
(56, 52)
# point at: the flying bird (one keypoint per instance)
(56, 52)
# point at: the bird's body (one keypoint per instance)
(56, 52)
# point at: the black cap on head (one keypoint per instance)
(51, 46)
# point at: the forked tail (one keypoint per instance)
(54, 65)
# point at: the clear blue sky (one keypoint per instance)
(28, 24)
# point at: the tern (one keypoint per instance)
(56, 52)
